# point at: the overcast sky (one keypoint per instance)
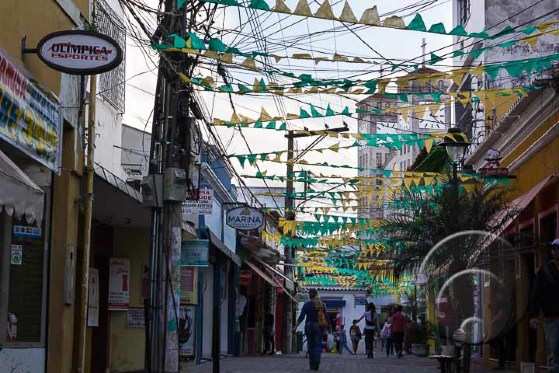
(277, 29)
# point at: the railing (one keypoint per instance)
(117, 182)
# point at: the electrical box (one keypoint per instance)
(175, 185)
(152, 190)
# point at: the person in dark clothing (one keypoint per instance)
(544, 304)
(314, 314)
(269, 334)
(371, 322)
(398, 328)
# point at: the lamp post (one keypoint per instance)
(456, 144)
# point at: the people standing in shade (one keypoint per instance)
(370, 317)
(398, 328)
(544, 304)
(386, 335)
(316, 323)
(269, 345)
(355, 335)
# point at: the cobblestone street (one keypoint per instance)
(331, 363)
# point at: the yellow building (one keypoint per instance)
(527, 140)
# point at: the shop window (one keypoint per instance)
(22, 274)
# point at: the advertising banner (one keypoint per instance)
(119, 288)
(189, 285)
(186, 330)
(30, 120)
(93, 298)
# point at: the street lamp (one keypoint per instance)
(456, 144)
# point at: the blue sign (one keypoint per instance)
(195, 253)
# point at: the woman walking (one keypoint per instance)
(316, 323)
(355, 334)
(370, 317)
(386, 334)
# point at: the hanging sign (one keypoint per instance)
(195, 253)
(245, 218)
(30, 120)
(202, 206)
(79, 52)
(16, 257)
(189, 285)
(119, 288)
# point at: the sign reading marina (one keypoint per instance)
(245, 218)
(80, 52)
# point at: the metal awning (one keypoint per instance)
(19, 194)
(261, 273)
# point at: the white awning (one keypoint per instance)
(18, 193)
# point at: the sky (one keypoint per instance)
(301, 34)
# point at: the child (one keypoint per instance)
(343, 340)
(355, 334)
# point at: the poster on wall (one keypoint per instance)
(136, 317)
(201, 206)
(30, 120)
(93, 298)
(119, 289)
(189, 285)
(186, 330)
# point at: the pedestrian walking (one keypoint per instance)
(544, 304)
(342, 337)
(370, 317)
(398, 328)
(355, 335)
(316, 323)
(386, 335)
(269, 345)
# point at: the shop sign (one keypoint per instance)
(16, 255)
(79, 52)
(245, 218)
(119, 284)
(30, 120)
(189, 285)
(202, 206)
(26, 231)
(93, 298)
(195, 253)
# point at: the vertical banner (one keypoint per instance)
(173, 302)
(119, 289)
(189, 285)
(187, 330)
(93, 298)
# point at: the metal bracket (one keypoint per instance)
(24, 49)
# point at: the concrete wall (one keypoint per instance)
(108, 138)
(127, 344)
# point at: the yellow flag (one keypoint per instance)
(370, 17)
(281, 7)
(428, 145)
(303, 9)
(264, 116)
(347, 14)
(249, 63)
(394, 21)
(325, 11)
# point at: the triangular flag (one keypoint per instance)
(281, 7)
(264, 116)
(259, 4)
(334, 147)
(370, 17)
(394, 22)
(347, 14)
(235, 118)
(325, 11)
(249, 63)
(303, 9)
(417, 24)
(428, 145)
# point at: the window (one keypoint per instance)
(464, 9)
(379, 160)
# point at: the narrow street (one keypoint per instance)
(331, 363)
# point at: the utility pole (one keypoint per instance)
(290, 215)
(169, 162)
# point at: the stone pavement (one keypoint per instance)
(331, 363)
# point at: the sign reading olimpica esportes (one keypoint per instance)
(245, 218)
(79, 52)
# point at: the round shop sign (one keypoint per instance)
(80, 52)
(245, 218)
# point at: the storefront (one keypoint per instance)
(30, 134)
